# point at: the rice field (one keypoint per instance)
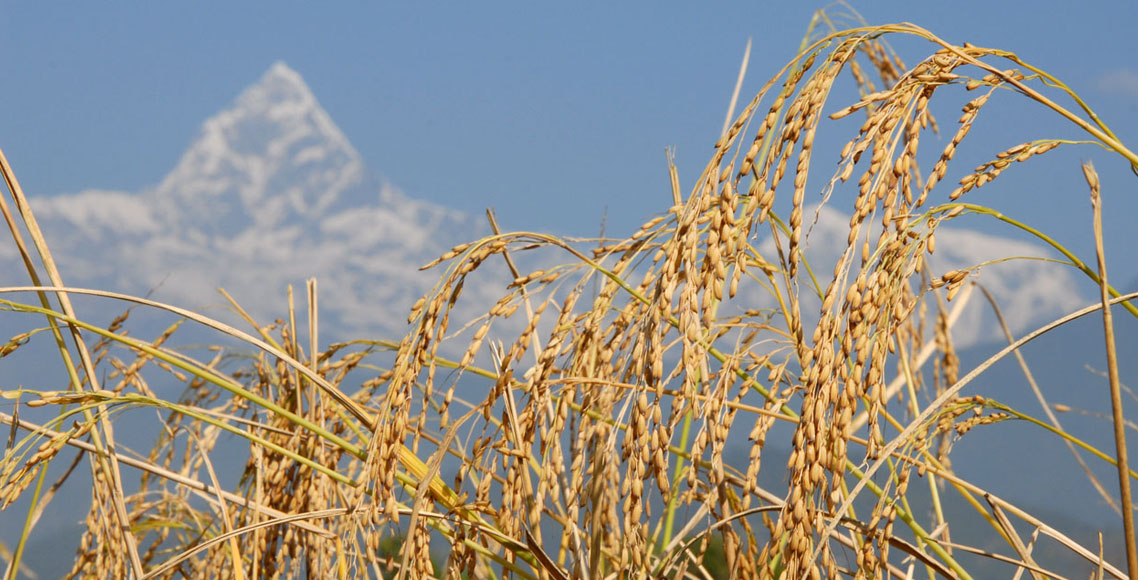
(618, 412)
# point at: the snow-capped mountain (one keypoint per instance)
(270, 193)
(275, 159)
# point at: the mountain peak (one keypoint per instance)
(281, 75)
(269, 193)
(281, 92)
(274, 157)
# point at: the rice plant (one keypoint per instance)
(587, 425)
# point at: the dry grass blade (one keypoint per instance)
(1058, 536)
(738, 87)
(1115, 390)
(1019, 564)
(173, 563)
(1106, 497)
(1010, 533)
(227, 523)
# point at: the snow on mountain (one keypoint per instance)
(275, 158)
(270, 193)
(1029, 292)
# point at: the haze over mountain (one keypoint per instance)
(271, 192)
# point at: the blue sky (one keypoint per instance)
(551, 113)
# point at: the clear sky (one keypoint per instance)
(552, 113)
